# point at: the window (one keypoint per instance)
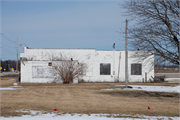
(105, 69)
(136, 69)
(50, 64)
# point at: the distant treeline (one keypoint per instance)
(7, 65)
(163, 68)
(167, 66)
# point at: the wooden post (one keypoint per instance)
(17, 57)
(119, 64)
(146, 77)
(114, 61)
(126, 55)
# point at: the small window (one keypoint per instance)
(105, 69)
(50, 64)
(136, 69)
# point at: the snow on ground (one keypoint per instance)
(7, 88)
(37, 115)
(172, 80)
(15, 84)
(150, 88)
(168, 79)
(12, 88)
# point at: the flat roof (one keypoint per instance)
(82, 49)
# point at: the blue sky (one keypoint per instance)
(61, 24)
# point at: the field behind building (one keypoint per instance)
(167, 72)
(87, 98)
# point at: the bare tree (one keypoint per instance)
(68, 69)
(156, 28)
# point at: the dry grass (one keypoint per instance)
(87, 98)
(9, 76)
(7, 83)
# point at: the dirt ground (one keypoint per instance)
(87, 98)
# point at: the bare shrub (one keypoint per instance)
(68, 69)
(81, 81)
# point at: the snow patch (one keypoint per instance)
(15, 84)
(8, 88)
(12, 88)
(169, 79)
(38, 115)
(150, 88)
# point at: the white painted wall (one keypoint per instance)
(92, 57)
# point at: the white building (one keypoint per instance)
(36, 69)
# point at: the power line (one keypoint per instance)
(7, 38)
(11, 34)
(7, 31)
(9, 51)
(7, 45)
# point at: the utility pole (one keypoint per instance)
(17, 57)
(126, 55)
(114, 60)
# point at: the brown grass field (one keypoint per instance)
(87, 98)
